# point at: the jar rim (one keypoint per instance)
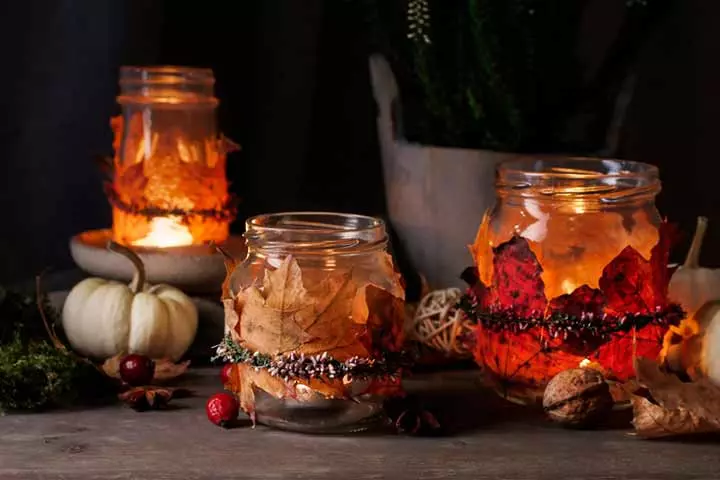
(315, 233)
(165, 75)
(577, 168)
(283, 221)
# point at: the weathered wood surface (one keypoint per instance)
(492, 441)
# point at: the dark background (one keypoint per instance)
(293, 83)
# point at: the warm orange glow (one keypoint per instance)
(166, 169)
(572, 249)
(568, 286)
(166, 232)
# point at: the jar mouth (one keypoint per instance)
(167, 84)
(315, 232)
(577, 177)
(165, 75)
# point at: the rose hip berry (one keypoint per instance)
(222, 409)
(225, 373)
(137, 370)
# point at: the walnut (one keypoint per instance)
(578, 397)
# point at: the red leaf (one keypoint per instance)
(583, 299)
(616, 356)
(627, 283)
(517, 281)
(659, 258)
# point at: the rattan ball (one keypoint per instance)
(438, 323)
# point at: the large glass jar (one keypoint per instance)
(314, 322)
(169, 185)
(572, 272)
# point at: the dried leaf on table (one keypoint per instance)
(667, 407)
(165, 369)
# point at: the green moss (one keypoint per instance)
(34, 374)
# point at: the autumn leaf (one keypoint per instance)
(244, 379)
(517, 281)
(659, 259)
(615, 355)
(583, 299)
(331, 326)
(668, 407)
(271, 319)
(627, 283)
(383, 315)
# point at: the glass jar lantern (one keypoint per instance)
(570, 250)
(314, 322)
(169, 185)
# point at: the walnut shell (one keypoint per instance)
(578, 397)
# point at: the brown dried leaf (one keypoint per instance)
(286, 316)
(165, 369)
(671, 407)
(243, 381)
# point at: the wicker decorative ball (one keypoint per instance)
(579, 397)
(438, 323)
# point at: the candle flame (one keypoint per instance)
(567, 286)
(166, 232)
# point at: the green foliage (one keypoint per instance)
(34, 374)
(499, 74)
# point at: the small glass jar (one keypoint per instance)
(169, 185)
(341, 301)
(577, 215)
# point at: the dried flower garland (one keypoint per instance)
(298, 366)
(565, 325)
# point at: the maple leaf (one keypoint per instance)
(271, 318)
(331, 326)
(659, 259)
(383, 315)
(583, 299)
(627, 282)
(523, 358)
(517, 281)
(615, 355)
(244, 379)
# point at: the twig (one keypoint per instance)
(39, 298)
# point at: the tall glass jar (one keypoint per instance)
(169, 186)
(314, 321)
(577, 229)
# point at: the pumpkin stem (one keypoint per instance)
(138, 282)
(693, 256)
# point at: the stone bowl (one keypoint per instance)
(197, 269)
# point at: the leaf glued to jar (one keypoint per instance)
(310, 314)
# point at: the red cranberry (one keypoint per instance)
(137, 370)
(222, 409)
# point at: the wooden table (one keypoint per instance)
(490, 440)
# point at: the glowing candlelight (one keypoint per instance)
(166, 232)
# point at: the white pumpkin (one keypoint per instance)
(691, 285)
(104, 318)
